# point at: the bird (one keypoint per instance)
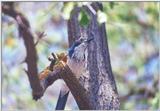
(76, 60)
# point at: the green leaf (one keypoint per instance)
(83, 18)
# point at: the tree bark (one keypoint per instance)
(98, 80)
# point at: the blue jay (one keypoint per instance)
(76, 60)
(77, 56)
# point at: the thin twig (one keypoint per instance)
(40, 36)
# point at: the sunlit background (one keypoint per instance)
(133, 39)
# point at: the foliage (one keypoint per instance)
(83, 18)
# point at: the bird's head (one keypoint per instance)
(77, 43)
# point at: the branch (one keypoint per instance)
(80, 94)
(62, 71)
(40, 36)
(31, 58)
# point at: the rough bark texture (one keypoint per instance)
(98, 79)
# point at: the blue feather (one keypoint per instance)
(71, 49)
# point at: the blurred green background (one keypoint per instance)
(133, 39)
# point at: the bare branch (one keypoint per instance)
(31, 58)
(40, 36)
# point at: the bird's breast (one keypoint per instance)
(77, 66)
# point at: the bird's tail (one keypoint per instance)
(62, 99)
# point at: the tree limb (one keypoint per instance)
(61, 71)
(72, 82)
(31, 58)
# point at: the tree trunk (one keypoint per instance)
(98, 80)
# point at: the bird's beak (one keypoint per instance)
(89, 39)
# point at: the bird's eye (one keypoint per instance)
(81, 39)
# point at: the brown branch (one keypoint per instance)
(31, 58)
(72, 82)
(49, 79)
(78, 91)
(59, 70)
